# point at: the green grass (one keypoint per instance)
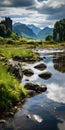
(16, 41)
(9, 52)
(11, 92)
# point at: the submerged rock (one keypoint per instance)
(45, 75)
(28, 72)
(40, 66)
(35, 87)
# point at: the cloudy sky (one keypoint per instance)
(38, 12)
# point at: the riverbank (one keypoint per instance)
(11, 90)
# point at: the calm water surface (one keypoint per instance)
(45, 111)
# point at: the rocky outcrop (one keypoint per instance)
(45, 75)
(34, 88)
(40, 66)
(28, 72)
(15, 69)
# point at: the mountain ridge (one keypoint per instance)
(24, 31)
(45, 32)
(31, 31)
(35, 29)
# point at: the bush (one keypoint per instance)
(10, 42)
(49, 38)
(15, 36)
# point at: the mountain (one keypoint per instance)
(24, 30)
(32, 32)
(45, 32)
(35, 29)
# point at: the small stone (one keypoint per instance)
(2, 121)
(41, 66)
(28, 72)
(11, 114)
(45, 75)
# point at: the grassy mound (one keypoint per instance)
(11, 92)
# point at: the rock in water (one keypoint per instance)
(45, 75)
(28, 72)
(41, 66)
(35, 87)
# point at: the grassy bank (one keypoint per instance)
(11, 92)
(9, 52)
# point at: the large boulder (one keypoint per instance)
(45, 75)
(15, 69)
(28, 72)
(35, 87)
(40, 66)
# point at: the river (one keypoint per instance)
(45, 111)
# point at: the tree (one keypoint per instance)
(49, 38)
(2, 30)
(59, 31)
(8, 33)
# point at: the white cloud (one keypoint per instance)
(56, 93)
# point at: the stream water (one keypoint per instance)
(45, 111)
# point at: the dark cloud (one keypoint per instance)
(48, 9)
(41, 0)
(15, 16)
(53, 13)
(16, 3)
(51, 10)
(23, 3)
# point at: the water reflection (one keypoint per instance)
(56, 93)
(59, 61)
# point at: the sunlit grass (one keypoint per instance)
(10, 52)
(11, 92)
